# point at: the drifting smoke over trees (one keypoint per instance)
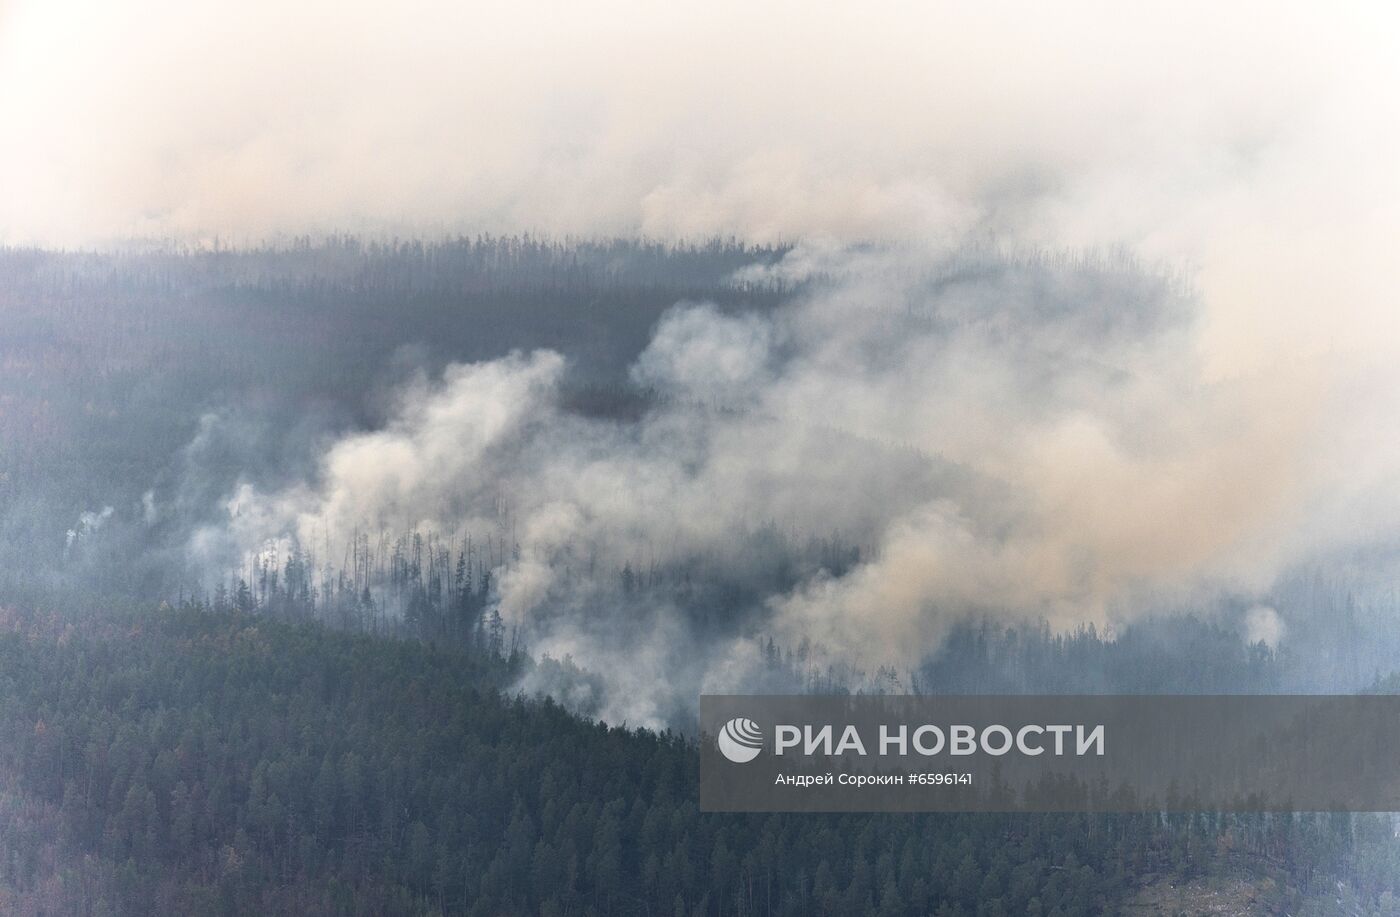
(651, 460)
(383, 489)
(375, 575)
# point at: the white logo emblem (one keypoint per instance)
(740, 740)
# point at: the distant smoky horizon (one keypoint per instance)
(1249, 147)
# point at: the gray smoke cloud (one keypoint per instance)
(1026, 436)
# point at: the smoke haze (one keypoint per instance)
(1026, 437)
(1251, 145)
(1038, 434)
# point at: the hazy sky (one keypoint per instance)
(196, 117)
(1252, 142)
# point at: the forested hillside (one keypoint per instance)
(186, 762)
(361, 725)
(430, 430)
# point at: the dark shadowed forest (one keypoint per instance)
(192, 762)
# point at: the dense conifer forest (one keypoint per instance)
(185, 761)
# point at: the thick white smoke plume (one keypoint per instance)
(1032, 437)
